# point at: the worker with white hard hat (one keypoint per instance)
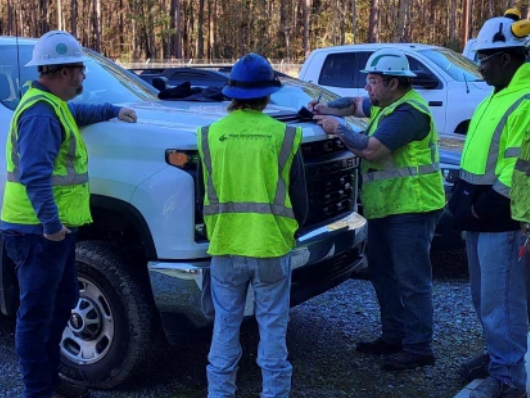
(481, 205)
(46, 199)
(403, 197)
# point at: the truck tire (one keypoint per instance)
(113, 327)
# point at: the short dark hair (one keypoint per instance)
(404, 83)
(256, 104)
(53, 69)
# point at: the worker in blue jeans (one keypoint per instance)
(255, 200)
(46, 198)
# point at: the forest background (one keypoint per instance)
(214, 30)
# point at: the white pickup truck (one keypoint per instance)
(141, 263)
(448, 81)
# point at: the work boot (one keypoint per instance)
(407, 360)
(477, 368)
(378, 346)
(68, 390)
(493, 388)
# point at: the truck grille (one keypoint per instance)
(331, 174)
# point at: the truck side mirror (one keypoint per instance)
(161, 83)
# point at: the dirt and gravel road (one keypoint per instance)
(321, 339)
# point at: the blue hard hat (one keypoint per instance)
(252, 77)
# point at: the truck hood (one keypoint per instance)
(173, 124)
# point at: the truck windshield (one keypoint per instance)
(454, 64)
(105, 81)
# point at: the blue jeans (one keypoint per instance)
(271, 280)
(499, 295)
(400, 270)
(47, 279)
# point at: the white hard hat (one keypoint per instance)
(498, 33)
(56, 48)
(390, 62)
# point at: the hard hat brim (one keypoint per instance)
(56, 61)
(249, 93)
(393, 73)
(500, 45)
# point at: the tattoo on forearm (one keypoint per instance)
(352, 139)
(341, 103)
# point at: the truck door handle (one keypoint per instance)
(435, 103)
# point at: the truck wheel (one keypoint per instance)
(110, 332)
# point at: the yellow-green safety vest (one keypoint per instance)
(409, 181)
(69, 177)
(246, 158)
(493, 141)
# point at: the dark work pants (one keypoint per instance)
(48, 291)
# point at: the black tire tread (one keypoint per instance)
(100, 257)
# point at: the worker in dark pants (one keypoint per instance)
(46, 198)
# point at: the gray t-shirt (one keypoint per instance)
(406, 125)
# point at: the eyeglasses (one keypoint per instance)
(373, 82)
(482, 61)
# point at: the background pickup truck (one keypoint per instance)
(141, 263)
(449, 82)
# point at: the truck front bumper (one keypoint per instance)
(321, 260)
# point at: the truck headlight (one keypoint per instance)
(183, 159)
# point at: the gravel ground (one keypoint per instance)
(321, 340)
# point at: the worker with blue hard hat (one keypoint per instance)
(254, 202)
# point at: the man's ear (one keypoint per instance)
(394, 83)
(64, 72)
(506, 59)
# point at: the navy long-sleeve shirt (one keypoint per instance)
(40, 135)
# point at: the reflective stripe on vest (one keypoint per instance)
(393, 172)
(277, 208)
(403, 172)
(490, 178)
(523, 166)
(72, 178)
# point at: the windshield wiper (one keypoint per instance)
(467, 85)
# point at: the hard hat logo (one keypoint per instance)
(61, 49)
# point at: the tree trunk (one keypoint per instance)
(200, 32)
(465, 23)
(212, 24)
(96, 25)
(354, 20)
(59, 15)
(452, 22)
(306, 4)
(373, 27)
(10, 18)
(73, 17)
